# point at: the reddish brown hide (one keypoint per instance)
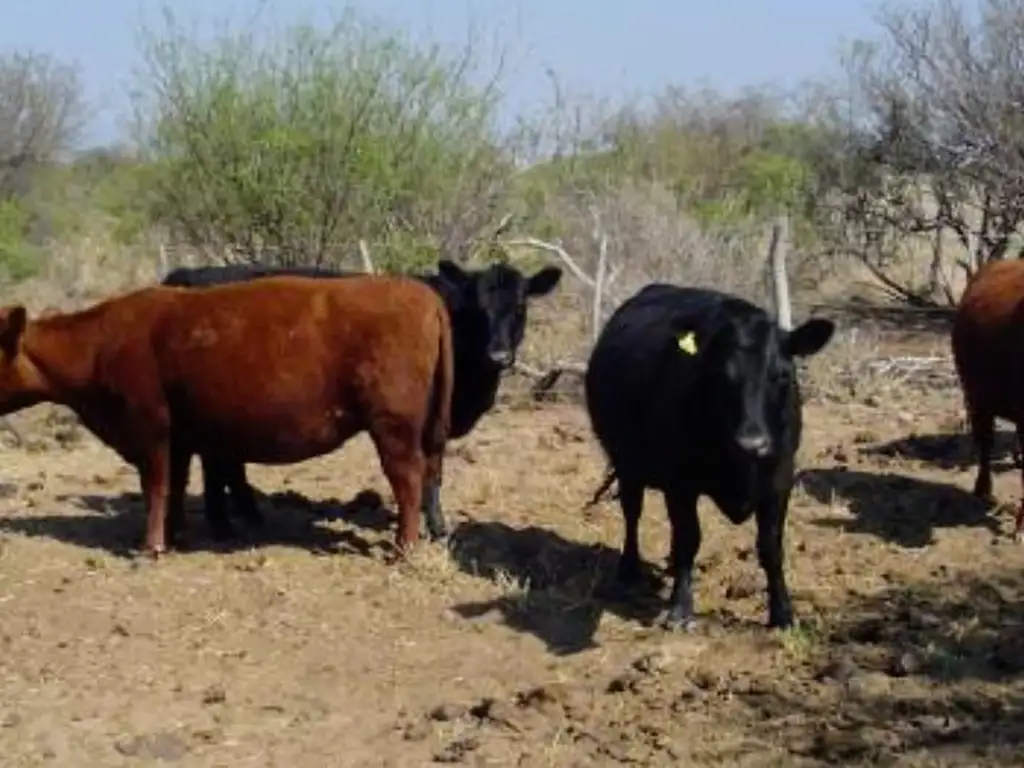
(988, 352)
(274, 371)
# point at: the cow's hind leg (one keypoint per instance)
(433, 515)
(630, 573)
(154, 472)
(631, 500)
(686, 537)
(178, 482)
(771, 523)
(398, 444)
(215, 480)
(1018, 520)
(983, 430)
(243, 500)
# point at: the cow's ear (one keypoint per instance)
(452, 295)
(12, 325)
(810, 337)
(449, 270)
(543, 282)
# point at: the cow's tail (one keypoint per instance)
(438, 421)
(609, 478)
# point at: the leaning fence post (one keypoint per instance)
(780, 280)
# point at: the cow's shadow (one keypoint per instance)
(552, 588)
(948, 450)
(557, 589)
(898, 508)
(116, 524)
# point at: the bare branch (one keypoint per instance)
(42, 114)
(599, 278)
(364, 255)
(934, 138)
(557, 250)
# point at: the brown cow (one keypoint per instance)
(273, 371)
(988, 352)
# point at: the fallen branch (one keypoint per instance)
(936, 372)
(6, 425)
(546, 380)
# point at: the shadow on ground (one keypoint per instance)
(949, 450)
(897, 508)
(116, 524)
(961, 627)
(556, 589)
(935, 667)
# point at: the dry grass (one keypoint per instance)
(303, 647)
(86, 270)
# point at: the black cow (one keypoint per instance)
(488, 310)
(692, 391)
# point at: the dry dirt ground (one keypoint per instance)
(303, 648)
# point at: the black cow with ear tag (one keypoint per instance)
(693, 392)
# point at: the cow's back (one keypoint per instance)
(202, 277)
(988, 338)
(247, 364)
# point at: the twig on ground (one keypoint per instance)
(546, 380)
(6, 425)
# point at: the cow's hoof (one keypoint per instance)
(437, 536)
(399, 553)
(150, 554)
(781, 621)
(679, 622)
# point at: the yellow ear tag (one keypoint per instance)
(688, 343)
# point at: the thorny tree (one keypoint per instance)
(42, 113)
(929, 140)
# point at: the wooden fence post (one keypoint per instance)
(779, 277)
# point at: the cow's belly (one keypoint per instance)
(285, 437)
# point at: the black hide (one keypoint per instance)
(693, 392)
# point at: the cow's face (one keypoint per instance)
(493, 301)
(748, 361)
(19, 380)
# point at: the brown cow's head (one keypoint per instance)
(16, 390)
(493, 301)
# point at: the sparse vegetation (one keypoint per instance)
(295, 143)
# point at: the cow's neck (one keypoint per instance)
(61, 355)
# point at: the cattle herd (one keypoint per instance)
(690, 391)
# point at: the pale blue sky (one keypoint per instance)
(610, 49)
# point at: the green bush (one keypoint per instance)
(18, 259)
(293, 148)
